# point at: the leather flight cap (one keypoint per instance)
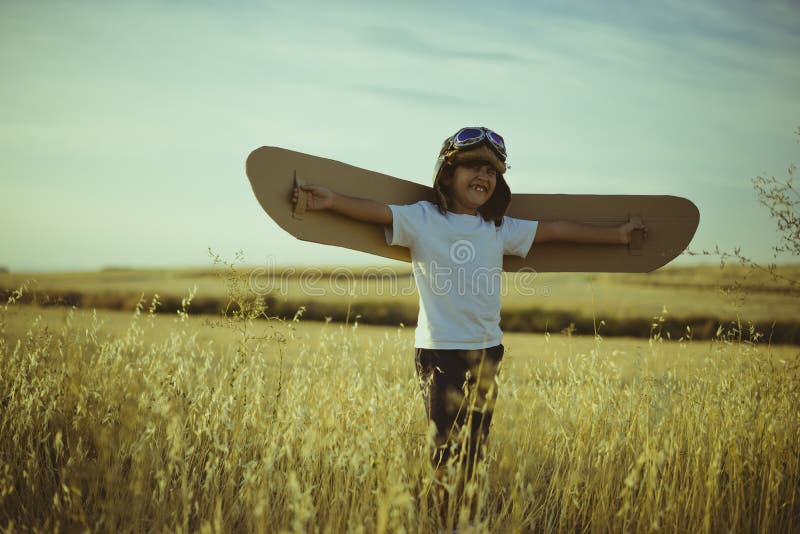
(481, 153)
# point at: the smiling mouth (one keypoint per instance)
(479, 188)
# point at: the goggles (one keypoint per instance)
(471, 136)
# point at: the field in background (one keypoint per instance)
(123, 421)
(702, 297)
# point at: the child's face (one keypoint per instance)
(472, 186)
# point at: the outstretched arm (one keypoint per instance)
(360, 209)
(572, 232)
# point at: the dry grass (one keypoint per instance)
(150, 423)
(699, 291)
(702, 298)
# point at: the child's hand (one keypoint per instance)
(626, 229)
(319, 198)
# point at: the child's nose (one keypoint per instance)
(486, 171)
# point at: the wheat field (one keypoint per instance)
(146, 422)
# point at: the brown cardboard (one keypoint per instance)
(671, 221)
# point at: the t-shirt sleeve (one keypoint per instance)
(406, 221)
(518, 235)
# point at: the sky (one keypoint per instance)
(124, 127)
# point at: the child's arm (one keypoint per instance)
(572, 232)
(361, 209)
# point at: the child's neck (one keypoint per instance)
(456, 207)
(463, 212)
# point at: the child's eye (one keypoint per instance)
(476, 165)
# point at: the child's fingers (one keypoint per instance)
(308, 188)
(631, 227)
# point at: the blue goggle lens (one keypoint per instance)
(469, 134)
(496, 139)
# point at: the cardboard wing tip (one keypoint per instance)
(696, 216)
(691, 207)
(692, 212)
(251, 160)
(261, 151)
(266, 148)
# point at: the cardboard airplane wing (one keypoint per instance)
(671, 221)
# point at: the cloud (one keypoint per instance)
(421, 97)
(405, 41)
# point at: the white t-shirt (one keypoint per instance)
(457, 261)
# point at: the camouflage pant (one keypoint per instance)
(459, 389)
